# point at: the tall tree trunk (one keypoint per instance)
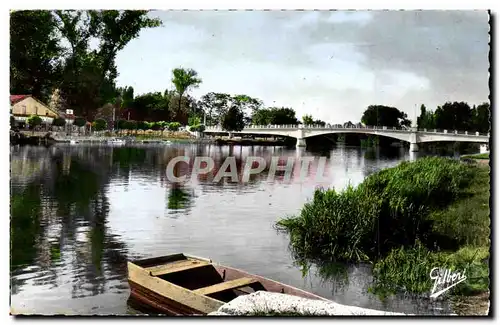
(180, 103)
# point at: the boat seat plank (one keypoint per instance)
(223, 286)
(141, 277)
(175, 267)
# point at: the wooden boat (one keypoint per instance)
(183, 284)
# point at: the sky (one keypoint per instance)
(330, 64)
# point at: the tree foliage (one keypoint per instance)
(51, 49)
(151, 105)
(308, 120)
(59, 121)
(80, 121)
(34, 120)
(380, 115)
(274, 116)
(35, 50)
(456, 116)
(173, 126)
(99, 124)
(234, 119)
(215, 106)
(426, 119)
(184, 80)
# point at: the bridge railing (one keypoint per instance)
(350, 127)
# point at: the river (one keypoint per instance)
(79, 212)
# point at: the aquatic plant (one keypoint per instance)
(387, 210)
(405, 220)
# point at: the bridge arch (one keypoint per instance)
(388, 134)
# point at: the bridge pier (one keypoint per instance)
(301, 142)
(413, 147)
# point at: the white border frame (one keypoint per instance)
(194, 5)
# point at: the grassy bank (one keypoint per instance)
(405, 220)
(478, 156)
(167, 135)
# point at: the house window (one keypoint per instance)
(23, 109)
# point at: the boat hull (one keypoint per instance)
(148, 301)
(180, 294)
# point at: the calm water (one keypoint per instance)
(80, 212)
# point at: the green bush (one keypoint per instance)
(79, 121)
(59, 121)
(34, 120)
(197, 128)
(173, 126)
(99, 124)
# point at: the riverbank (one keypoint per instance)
(434, 210)
(480, 156)
(249, 142)
(148, 137)
(19, 138)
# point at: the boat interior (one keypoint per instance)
(201, 276)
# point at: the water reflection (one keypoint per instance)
(79, 212)
(60, 245)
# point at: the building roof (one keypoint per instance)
(17, 98)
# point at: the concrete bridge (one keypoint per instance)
(411, 135)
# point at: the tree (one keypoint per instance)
(482, 118)
(274, 116)
(215, 106)
(319, 123)
(107, 112)
(34, 53)
(307, 120)
(194, 120)
(380, 115)
(247, 105)
(33, 121)
(184, 80)
(56, 102)
(79, 122)
(149, 104)
(233, 120)
(262, 117)
(89, 74)
(454, 116)
(127, 95)
(426, 119)
(187, 107)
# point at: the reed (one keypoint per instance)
(402, 219)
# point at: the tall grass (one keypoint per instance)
(389, 209)
(408, 270)
(401, 219)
